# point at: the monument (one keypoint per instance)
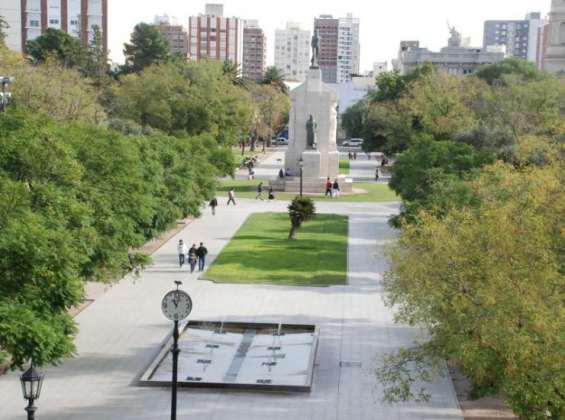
(312, 134)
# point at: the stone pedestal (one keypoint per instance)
(312, 164)
(314, 98)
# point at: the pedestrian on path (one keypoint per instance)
(329, 187)
(231, 197)
(201, 253)
(377, 174)
(213, 205)
(192, 257)
(271, 193)
(181, 248)
(259, 191)
(335, 189)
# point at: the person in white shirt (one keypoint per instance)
(182, 250)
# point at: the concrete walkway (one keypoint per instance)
(122, 330)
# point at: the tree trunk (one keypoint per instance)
(243, 148)
(292, 233)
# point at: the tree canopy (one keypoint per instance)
(146, 47)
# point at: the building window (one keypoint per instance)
(53, 21)
(34, 23)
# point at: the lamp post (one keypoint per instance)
(5, 81)
(301, 166)
(31, 381)
(176, 306)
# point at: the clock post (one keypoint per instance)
(176, 305)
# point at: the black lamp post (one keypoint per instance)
(31, 381)
(301, 166)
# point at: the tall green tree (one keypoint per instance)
(493, 276)
(496, 72)
(3, 27)
(147, 46)
(56, 43)
(275, 77)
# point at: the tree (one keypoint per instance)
(495, 73)
(275, 77)
(3, 26)
(185, 99)
(300, 210)
(271, 111)
(95, 66)
(77, 212)
(233, 72)
(60, 92)
(54, 42)
(493, 275)
(147, 46)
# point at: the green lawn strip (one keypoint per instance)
(344, 166)
(261, 253)
(376, 192)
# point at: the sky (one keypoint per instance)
(383, 24)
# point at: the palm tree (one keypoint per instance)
(232, 71)
(300, 210)
(273, 76)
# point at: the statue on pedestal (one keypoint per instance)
(315, 50)
(311, 133)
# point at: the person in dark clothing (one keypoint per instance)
(201, 254)
(271, 193)
(328, 187)
(259, 191)
(281, 173)
(231, 197)
(192, 257)
(213, 205)
(335, 189)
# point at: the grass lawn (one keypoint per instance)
(376, 192)
(344, 166)
(261, 253)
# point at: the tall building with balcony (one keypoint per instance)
(339, 47)
(174, 33)
(27, 19)
(292, 52)
(520, 37)
(254, 51)
(213, 36)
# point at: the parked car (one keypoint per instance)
(281, 141)
(353, 143)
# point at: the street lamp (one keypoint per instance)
(5, 81)
(31, 381)
(176, 305)
(301, 166)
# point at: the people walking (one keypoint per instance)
(201, 254)
(328, 187)
(271, 193)
(181, 249)
(231, 197)
(377, 174)
(335, 189)
(259, 191)
(213, 205)
(192, 257)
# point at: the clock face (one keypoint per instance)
(176, 305)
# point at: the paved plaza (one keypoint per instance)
(121, 332)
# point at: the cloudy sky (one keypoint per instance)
(384, 23)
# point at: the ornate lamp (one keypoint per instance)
(32, 381)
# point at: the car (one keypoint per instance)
(353, 143)
(281, 141)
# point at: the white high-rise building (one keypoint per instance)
(348, 48)
(292, 51)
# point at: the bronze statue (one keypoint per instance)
(311, 133)
(315, 50)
